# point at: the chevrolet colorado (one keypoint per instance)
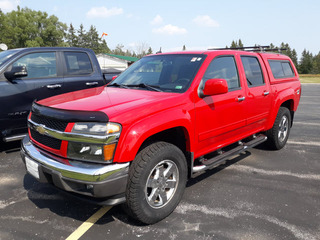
(170, 115)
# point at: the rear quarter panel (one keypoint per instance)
(283, 89)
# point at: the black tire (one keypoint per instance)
(157, 179)
(279, 133)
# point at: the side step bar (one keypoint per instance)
(223, 156)
(14, 138)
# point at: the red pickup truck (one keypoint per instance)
(170, 115)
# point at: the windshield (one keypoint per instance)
(168, 73)
(4, 55)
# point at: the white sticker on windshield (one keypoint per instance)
(199, 59)
(193, 59)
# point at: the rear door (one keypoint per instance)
(80, 71)
(258, 92)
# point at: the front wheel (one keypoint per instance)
(157, 179)
(279, 133)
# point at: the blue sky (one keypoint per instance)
(197, 24)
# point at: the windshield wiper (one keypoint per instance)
(143, 85)
(118, 85)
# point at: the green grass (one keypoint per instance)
(309, 78)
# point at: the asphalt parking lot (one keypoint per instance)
(260, 194)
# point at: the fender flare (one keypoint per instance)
(281, 97)
(132, 138)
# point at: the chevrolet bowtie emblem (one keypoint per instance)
(41, 129)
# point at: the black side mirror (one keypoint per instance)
(16, 72)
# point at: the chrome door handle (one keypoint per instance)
(265, 93)
(240, 99)
(92, 83)
(54, 86)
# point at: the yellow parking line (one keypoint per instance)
(88, 224)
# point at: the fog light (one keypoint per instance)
(89, 186)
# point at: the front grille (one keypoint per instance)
(46, 140)
(49, 122)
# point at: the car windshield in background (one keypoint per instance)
(167, 73)
(6, 55)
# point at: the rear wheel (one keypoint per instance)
(279, 133)
(157, 180)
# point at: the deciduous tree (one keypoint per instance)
(28, 28)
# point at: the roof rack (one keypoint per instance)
(253, 49)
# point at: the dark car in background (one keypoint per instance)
(36, 73)
(110, 73)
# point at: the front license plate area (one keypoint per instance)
(32, 167)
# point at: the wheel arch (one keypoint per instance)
(285, 102)
(178, 136)
(290, 105)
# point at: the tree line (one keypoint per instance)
(29, 28)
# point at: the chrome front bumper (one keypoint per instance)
(89, 179)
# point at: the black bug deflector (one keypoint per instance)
(69, 115)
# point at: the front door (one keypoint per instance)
(17, 95)
(220, 118)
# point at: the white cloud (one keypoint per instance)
(103, 12)
(130, 15)
(157, 20)
(8, 5)
(205, 21)
(170, 30)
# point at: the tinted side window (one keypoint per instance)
(78, 63)
(39, 65)
(281, 69)
(225, 68)
(252, 70)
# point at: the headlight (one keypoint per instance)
(96, 128)
(92, 151)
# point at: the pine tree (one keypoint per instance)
(290, 53)
(240, 44)
(306, 62)
(316, 64)
(104, 47)
(92, 39)
(236, 44)
(82, 41)
(272, 46)
(72, 38)
(149, 51)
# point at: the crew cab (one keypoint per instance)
(168, 117)
(37, 73)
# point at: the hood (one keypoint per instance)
(121, 105)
